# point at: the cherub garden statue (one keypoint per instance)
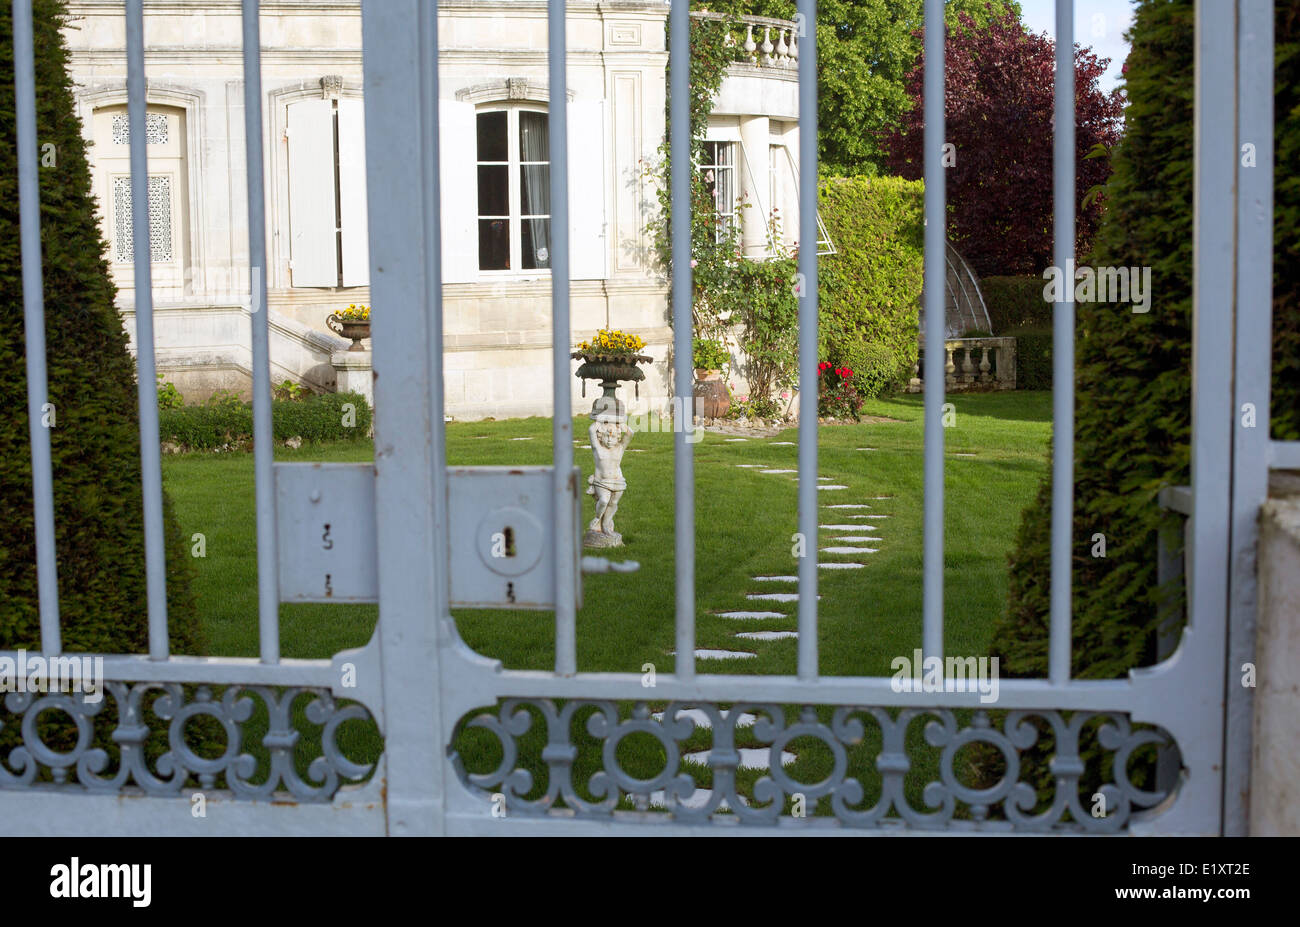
(610, 436)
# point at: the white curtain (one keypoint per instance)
(535, 182)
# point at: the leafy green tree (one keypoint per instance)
(865, 50)
(95, 438)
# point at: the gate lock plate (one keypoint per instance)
(501, 552)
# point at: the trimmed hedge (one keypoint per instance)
(1014, 302)
(870, 289)
(95, 434)
(1133, 424)
(1033, 358)
(230, 422)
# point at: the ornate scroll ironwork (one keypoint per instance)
(1009, 803)
(79, 756)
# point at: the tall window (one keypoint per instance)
(719, 170)
(514, 190)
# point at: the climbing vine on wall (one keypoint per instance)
(724, 295)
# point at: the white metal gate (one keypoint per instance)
(422, 684)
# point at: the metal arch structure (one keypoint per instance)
(422, 685)
(964, 309)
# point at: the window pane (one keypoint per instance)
(534, 143)
(536, 238)
(494, 244)
(535, 189)
(493, 190)
(492, 137)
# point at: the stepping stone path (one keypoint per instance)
(851, 544)
(750, 757)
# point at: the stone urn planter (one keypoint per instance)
(712, 399)
(609, 436)
(355, 329)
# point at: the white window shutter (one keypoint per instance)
(588, 241)
(313, 247)
(458, 134)
(352, 192)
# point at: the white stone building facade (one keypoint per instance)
(495, 201)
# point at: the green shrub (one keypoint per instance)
(766, 308)
(1033, 358)
(95, 435)
(225, 421)
(1133, 422)
(871, 287)
(1014, 302)
(709, 354)
(169, 397)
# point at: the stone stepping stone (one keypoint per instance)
(778, 471)
(697, 799)
(848, 550)
(521, 439)
(708, 654)
(638, 450)
(584, 447)
(751, 466)
(856, 516)
(775, 579)
(767, 635)
(848, 527)
(735, 439)
(774, 596)
(867, 449)
(750, 757)
(840, 566)
(853, 537)
(784, 444)
(751, 616)
(702, 719)
(831, 486)
(846, 505)
(955, 454)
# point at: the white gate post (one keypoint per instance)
(405, 290)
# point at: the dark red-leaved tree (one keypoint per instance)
(998, 111)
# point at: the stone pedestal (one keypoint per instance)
(353, 374)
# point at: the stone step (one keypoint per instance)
(775, 579)
(709, 654)
(846, 505)
(831, 486)
(751, 616)
(774, 596)
(840, 566)
(848, 550)
(767, 635)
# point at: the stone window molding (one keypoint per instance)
(508, 90)
(191, 103)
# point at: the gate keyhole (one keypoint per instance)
(510, 541)
(510, 592)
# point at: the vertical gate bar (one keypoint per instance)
(1063, 161)
(29, 200)
(935, 330)
(679, 138)
(401, 86)
(1213, 212)
(808, 385)
(268, 592)
(147, 384)
(1253, 385)
(566, 647)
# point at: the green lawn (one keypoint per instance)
(744, 523)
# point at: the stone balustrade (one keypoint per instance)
(973, 364)
(760, 40)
